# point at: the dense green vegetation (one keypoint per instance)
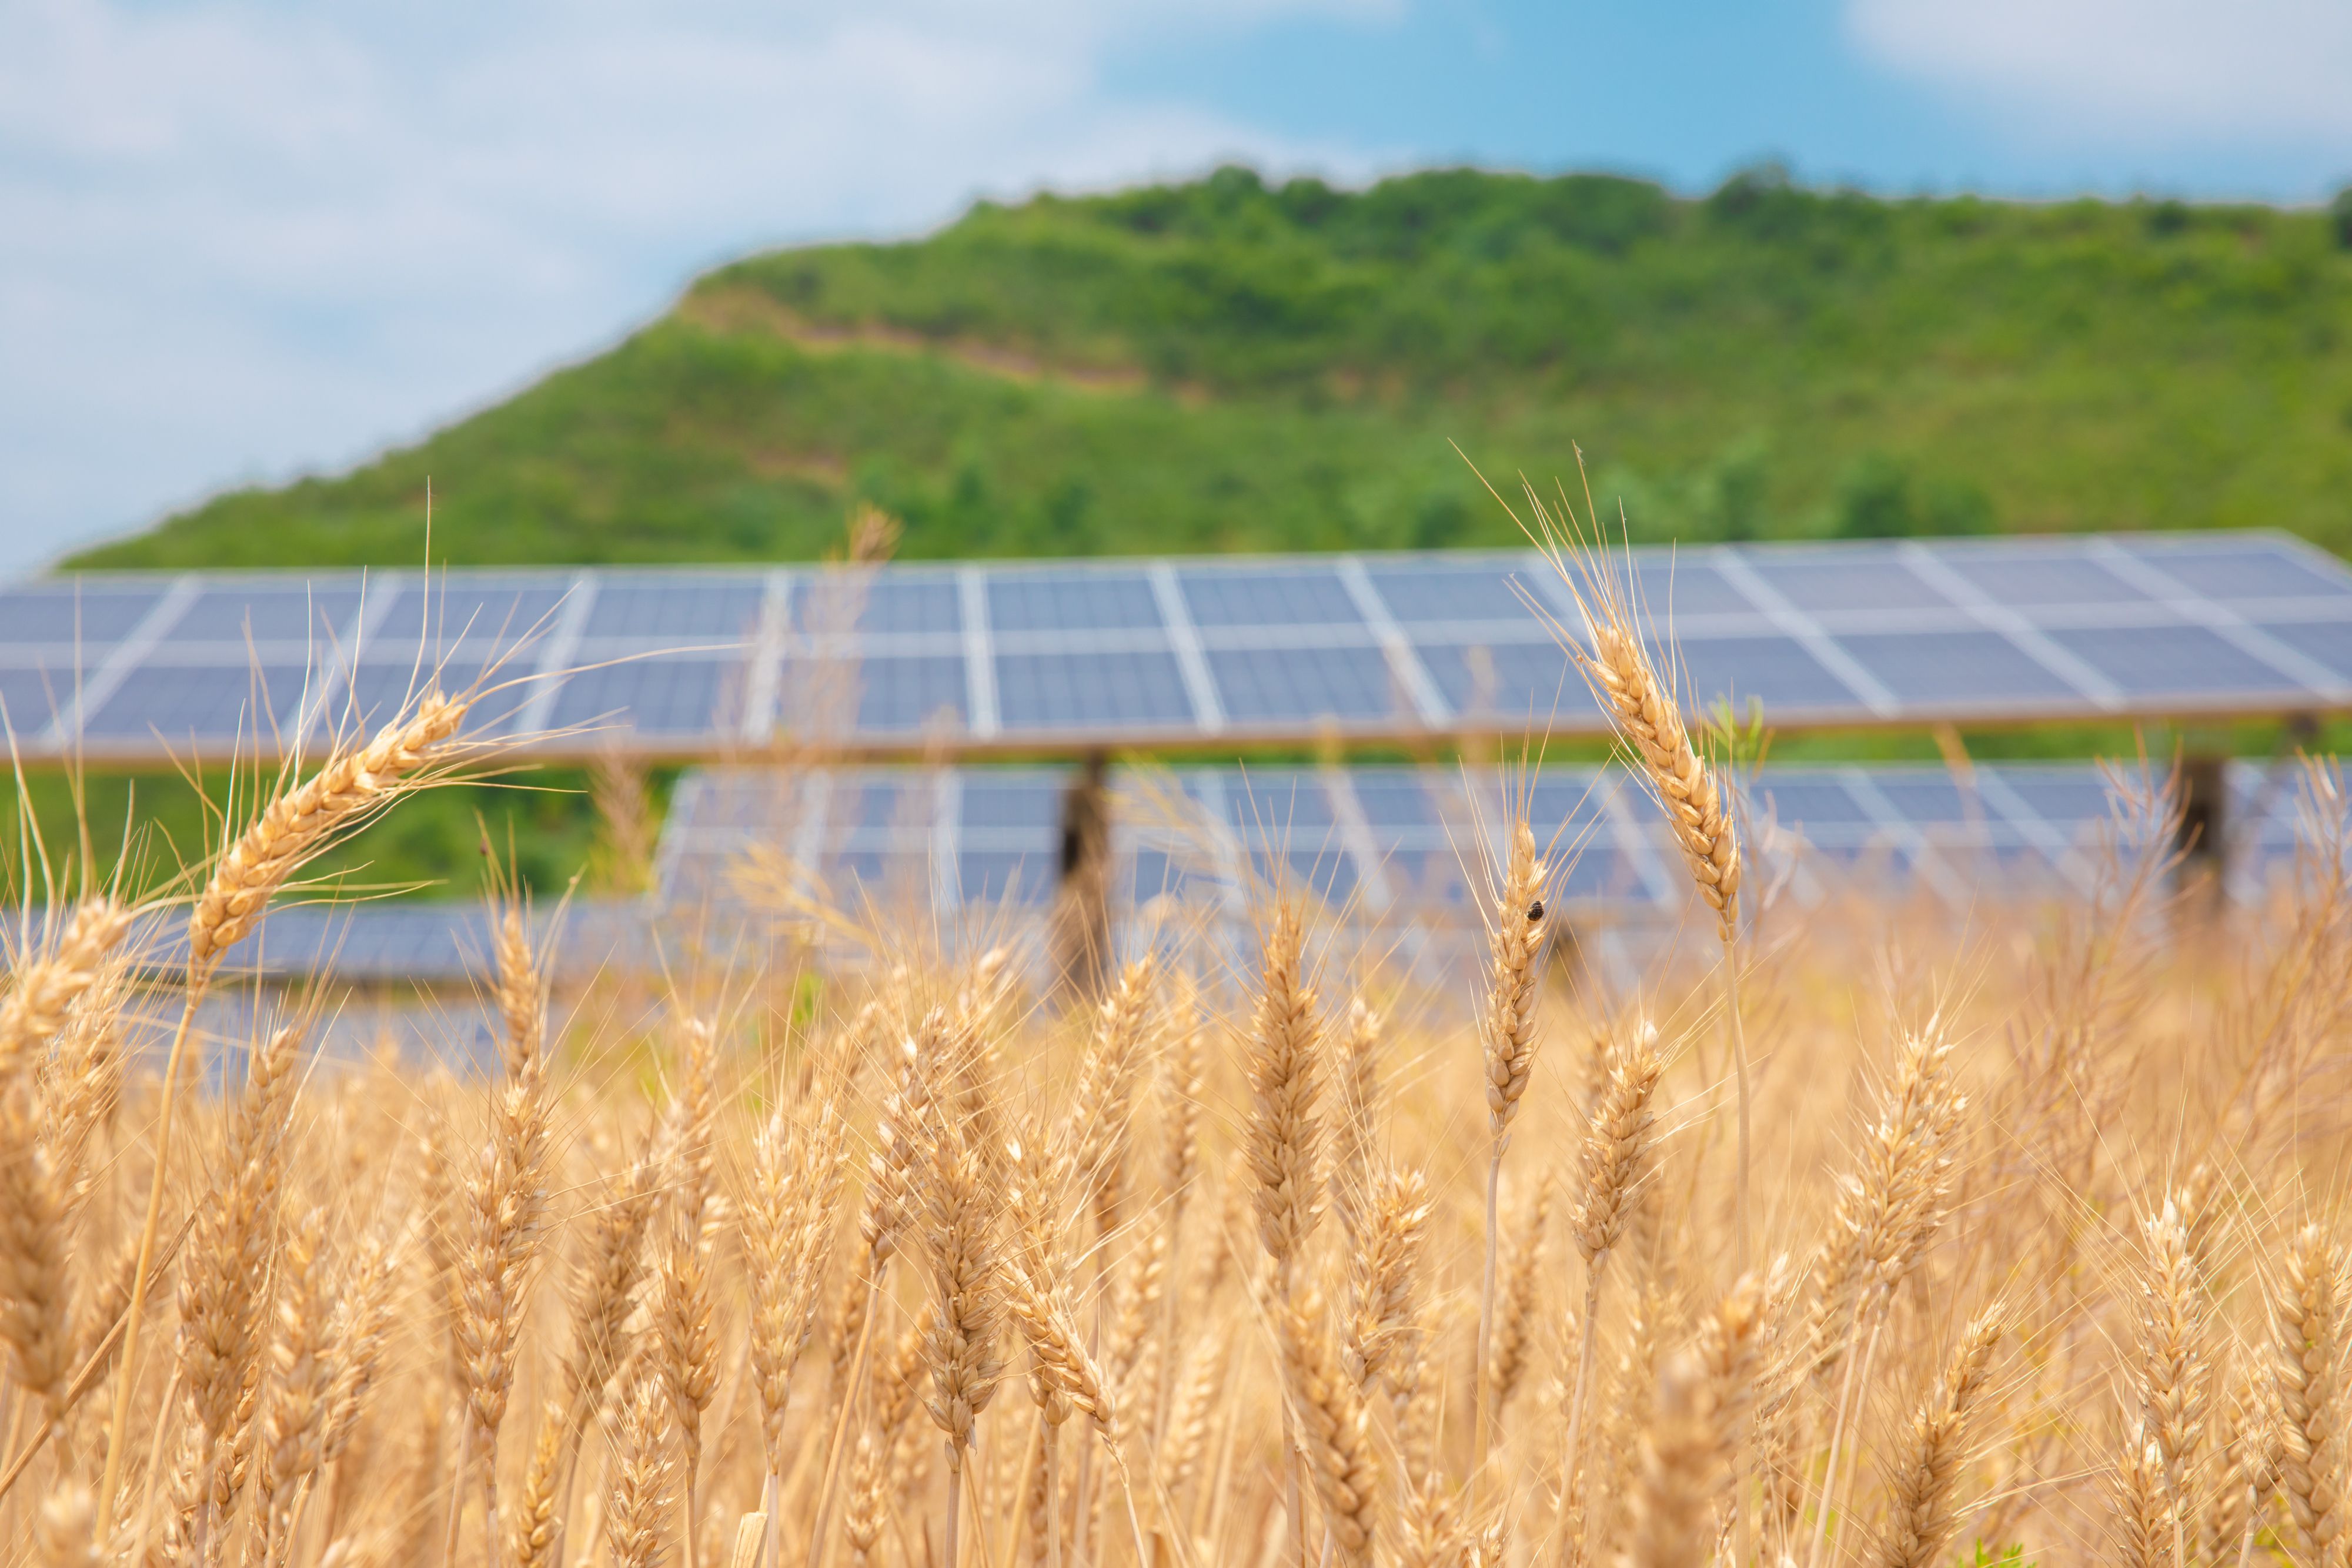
(1228, 365)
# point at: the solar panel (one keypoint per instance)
(2172, 660)
(1972, 668)
(1273, 595)
(675, 609)
(77, 612)
(203, 702)
(1121, 691)
(1049, 601)
(1305, 684)
(230, 613)
(908, 693)
(1064, 656)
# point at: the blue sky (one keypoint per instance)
(242, 239)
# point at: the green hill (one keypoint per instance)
(1227, 365)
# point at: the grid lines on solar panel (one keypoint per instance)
(31, 696)
(1286, 595)
(2172, 661)
(1117, 690)
(1775, 671)
(377, 690)
(897, 693)
(698, 609)
(228, 612)
(451, 611)
(674, 695)
(1819, 580)
(2235, 571)
(201, 702)
(1268, 684)
(1528, 681)
(2326, 643)
(1420, 591)
(1977, 669)
(2030, 578)
(1035, 601)
(75, 612)
(1667, 588)
(885, 603)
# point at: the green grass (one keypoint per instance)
(1227, 366)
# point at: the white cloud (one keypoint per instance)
(240, 237)
(2153, 72)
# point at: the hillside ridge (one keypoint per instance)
(1227, 365)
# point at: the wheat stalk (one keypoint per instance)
(294, 827)
(1921, 1519)
(1508, 1031)
(1613, 656)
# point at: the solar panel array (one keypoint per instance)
(1066, 656)
(1377, 841)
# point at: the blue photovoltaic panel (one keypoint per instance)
(649, 696)
(1527, 681)
(66, 614)
(1392, 798)
(682, 610)
(1978, 669)
(892, 604)
(450, 609)
(2173, 659)
(911, 693)
(1071, 602)
(1422, 877)
(206, 702)
(877, 802)
(271, 612)
(1846, 580)
(1113, 690)
(1780, 673)
(1153, 873)
(1685, 584)
(1811, 801)
(1601, 870)
(1899, 633)
(1926, 797)
(30, 698)
(2025, 578)
(1284, 595)
(377, 694)
(2326, 643)
(2238, 572)
(1003, 876)
(1421, 593)
(2057, 794)
(1327, 870)
(1271, 804)
(1303, 682)
(1027, 802)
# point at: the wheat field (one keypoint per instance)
(1865, 1237)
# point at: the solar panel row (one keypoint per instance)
(698, 662)
(1372, 842)
(1408, 840)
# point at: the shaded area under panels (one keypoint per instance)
(1066, 656)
